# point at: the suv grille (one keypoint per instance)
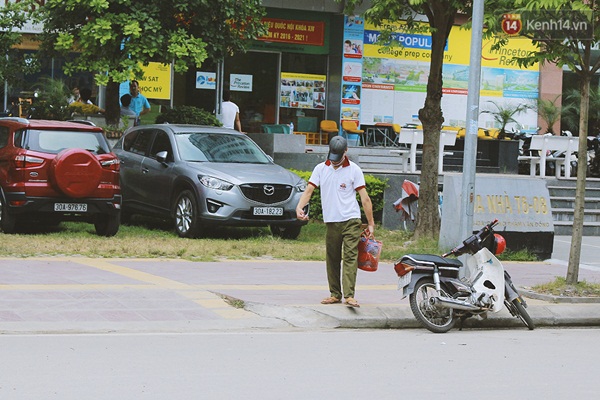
(266, 193)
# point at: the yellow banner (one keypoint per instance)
(417, 47)
(156, 83)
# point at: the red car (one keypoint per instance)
(53, 171)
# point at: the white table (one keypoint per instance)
(412, 138)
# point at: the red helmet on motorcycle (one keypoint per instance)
(499, 244)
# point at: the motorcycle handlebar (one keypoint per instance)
(463, 248)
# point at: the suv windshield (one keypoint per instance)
(216, 147)
(53, 142)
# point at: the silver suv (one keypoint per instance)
(201, 176)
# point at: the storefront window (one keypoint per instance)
(303, 90)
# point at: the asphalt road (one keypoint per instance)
(549, 364)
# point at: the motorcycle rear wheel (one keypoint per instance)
(435, 319)
(523, 314)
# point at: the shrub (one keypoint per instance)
(187, 115)
(51, 101)
(375, 188)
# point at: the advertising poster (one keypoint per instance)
(394, 79)
(302, 91)
(352, 70)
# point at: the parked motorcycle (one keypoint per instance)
(524, 139)
(593, 156)
(438, 298)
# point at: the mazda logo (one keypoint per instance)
(269, 190)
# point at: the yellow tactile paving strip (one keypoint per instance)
(199, 294)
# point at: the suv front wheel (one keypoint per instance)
(8, 222)
(185, 215)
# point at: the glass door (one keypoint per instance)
(254, 79)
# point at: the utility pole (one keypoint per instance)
(470, 152)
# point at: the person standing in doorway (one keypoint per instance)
(339, 179)
(139, 103)
(230, 112)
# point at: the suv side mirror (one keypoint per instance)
(161, 156)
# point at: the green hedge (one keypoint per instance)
(375, 188)
(187, 115)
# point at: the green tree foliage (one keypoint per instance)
(113, 38)
(13, 63)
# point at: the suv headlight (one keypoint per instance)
(214, 183)
(301, 186)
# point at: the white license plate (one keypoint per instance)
(404, 280)
(276, 211)
(70, 207)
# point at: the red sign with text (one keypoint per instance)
(296, 32)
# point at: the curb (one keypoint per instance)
(557, 299)
(401, 317)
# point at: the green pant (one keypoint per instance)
(341, 245)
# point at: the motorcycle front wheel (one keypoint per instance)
(519, 311)
(434, 318)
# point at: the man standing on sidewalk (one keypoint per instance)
(340, 179)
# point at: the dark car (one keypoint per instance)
(201, 176)
(52, 171)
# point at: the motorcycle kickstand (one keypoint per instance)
(461, 320)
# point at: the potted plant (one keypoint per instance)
(505, 114)
(549, 112)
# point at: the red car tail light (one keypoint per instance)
(402, 268)
(25, 161)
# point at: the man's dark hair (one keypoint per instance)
(226, 95)
(126, 100)
(85, 94)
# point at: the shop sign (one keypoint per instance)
(206, 80)
(240, 83)
(296, 32)
(156, 82)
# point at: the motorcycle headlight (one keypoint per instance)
(214, 183)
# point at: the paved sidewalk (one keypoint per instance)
(76, 294)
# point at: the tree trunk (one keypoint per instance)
(575, 251)
(113, 108)
(431, 116)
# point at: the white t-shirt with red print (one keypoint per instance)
(338, 189)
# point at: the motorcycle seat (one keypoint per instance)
(440, 261)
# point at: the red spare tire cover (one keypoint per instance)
(76, 172)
